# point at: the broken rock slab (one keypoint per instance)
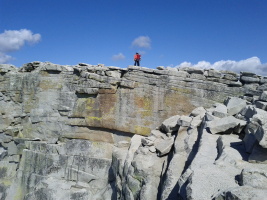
(229, 148)
(205, 179)
(163, 146)
(148, 141)
(250, 140)
(261, 135)
(184, 121)
(170, 125)
(220, 111)
(261, 105)
(235, 105)
(263, 96)
(198, 111)
(226, 125)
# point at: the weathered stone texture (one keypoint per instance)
(135, 100)
(97, 132)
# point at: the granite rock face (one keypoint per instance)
(201, 164)
(97, 132)
(49, 101)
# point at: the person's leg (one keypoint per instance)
(138, 64)
(135, 63)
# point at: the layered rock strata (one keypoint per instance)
(65, 133)
(61, 100)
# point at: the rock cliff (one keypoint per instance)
(97, 132)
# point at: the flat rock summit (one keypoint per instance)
(92, 132)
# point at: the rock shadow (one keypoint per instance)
(240, 147)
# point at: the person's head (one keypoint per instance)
(136, 53)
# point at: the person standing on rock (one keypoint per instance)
(137, 58)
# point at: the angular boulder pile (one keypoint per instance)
(216, 153)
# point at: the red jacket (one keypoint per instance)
(137, 57)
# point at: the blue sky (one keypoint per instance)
(223, 34)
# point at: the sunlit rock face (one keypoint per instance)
(66, 132)
(49, 101)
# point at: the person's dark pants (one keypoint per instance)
(136, 63)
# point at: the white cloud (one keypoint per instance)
(142, 42)
(118, 57)
(141, 52)
(252, 64)
(4, 58)
(14, 40)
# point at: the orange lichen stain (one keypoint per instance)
(144, 106)
(141, 130)
(177, 103)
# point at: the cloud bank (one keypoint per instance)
(118, 57)
(252, 64)
(142, 42)
(14, 40)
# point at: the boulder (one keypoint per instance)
(261, 104)
(203, 179)
(148, 141)
(230, 77)
(196, 121)
(163, 146)
(235, 84)
(52, 67)
(160, 67)
(251, 88)
(142, 178)
(249, 79)
(184, 121)
(176, 165)
(198, 111)
(135, 143)
(194, 70)
(115, 74)
(158, 134)
(234, 105)
(250, 140)
(220, 111)
(230, 151)
(262, 87)
(225, 125)
(209, 116)
(248, 111)
(261, 135)
(249, 74)
(263, 96)
(263, 80)
(197, 76)
(259, 116)
(4, 68)
(214, 73)
(179, 73)
(170, 125)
